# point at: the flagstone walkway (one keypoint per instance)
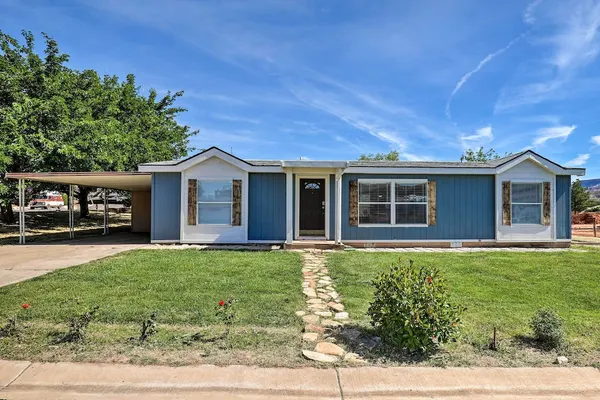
(325, 311)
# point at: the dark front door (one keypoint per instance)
(312, 207)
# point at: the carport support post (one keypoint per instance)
(21, 211)
(71, 219)
(105, 212)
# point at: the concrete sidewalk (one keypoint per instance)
(24, 380)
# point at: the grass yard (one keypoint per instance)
(499, 289)
(183, 287)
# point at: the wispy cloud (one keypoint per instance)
(478, 68)
(235, 118)
(573, 44)
(481, 137)
(555, 132)
(529, 13)
(578, 161)
(595, 140)
(400, 130)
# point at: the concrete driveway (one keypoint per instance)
(22, 262)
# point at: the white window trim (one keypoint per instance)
(541, 204)
(393, 202)
(230, 202)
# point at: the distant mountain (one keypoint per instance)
(593, 185)
(588, 183)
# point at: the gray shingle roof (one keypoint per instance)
(375, 164)
(264, 163)
(417, 164)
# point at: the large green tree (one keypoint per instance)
(479, 155)
(581, 198)
(391, 156)
(54, 118)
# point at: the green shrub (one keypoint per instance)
(547, 328)
(412, 309)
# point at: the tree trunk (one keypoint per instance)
(6, 213)
(84, 211)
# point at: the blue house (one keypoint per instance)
(215, 197)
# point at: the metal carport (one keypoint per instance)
(135, 182)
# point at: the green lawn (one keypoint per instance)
(499, 289)
(183, 287)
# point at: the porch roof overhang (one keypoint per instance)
(314, 164)
(132, 181)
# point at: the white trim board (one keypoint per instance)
(297, 201)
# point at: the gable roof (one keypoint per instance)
(491, 166)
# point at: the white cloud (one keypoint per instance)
(481, 64)
(577, 43)
(595, 140)
(573, 44)
(235, 118)
(481, 137)
(555, 132)
(528, 14)
(579, 160)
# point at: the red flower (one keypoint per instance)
(221, 303)
(25, 306)
(429, 279)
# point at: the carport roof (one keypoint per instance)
(134, 181)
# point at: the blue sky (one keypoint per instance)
(333, 79)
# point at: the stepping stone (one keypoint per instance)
(354, 358)
(330, 324)
(313, 355)
(329, 348)
(330, 288)
(311, 319)
(305, 284)
(314, 328)
(321, 307)
(336, 306)
(324, 296)
(315, 301)
(301, 313)
(341, 315)
(333, 295)
(309, 292)
(323, 313)
(310, 336)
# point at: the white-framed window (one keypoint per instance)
(526, 203)
(392, 202)
(214, 202)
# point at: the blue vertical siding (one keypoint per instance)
(465, 210)
(331, 207)
(166, 206)
(266, 206)
(563, 207)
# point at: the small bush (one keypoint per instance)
(10, 329)
(412, 309)
(148, 328)
(548, 328)
(78, 326)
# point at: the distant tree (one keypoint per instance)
(479, 155)
(391, 156)
(581, 198)
(53, 118)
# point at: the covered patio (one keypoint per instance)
(138, 183)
